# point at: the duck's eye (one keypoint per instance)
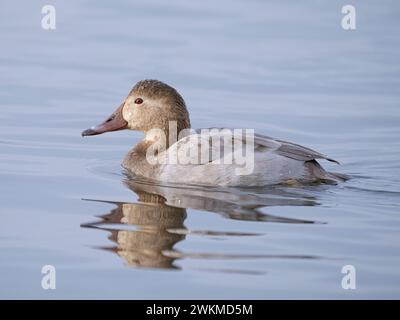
(138, 100)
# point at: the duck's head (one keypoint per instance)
(151, 104)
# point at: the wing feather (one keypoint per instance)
(295, 151)
(268, 144)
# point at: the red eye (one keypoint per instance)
(138, 100)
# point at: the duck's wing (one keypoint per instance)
(289, 149)
(281, 147)
(192, 146)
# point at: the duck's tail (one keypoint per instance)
(320, 173)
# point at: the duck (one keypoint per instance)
(173, 152)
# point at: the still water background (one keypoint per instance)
(286, 69)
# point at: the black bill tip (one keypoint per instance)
(89, 132)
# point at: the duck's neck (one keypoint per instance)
(167, 134)
(136, 160)
(158, 139)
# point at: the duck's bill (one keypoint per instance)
(113, 123)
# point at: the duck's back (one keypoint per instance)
(254, 160)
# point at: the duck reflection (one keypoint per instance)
(145, 232)
(158, 226)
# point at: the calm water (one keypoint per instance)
(285, 69)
